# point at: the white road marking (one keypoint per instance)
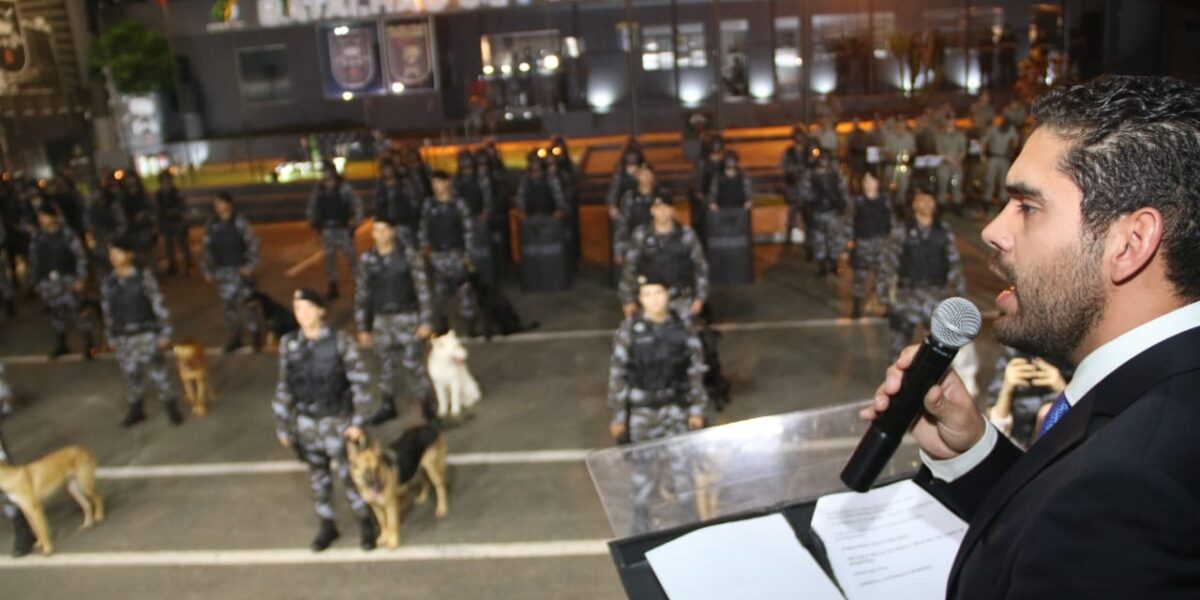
(316, 257)
(300, 556)
(292, 466)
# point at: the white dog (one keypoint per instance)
(456, 389)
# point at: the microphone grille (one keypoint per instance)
(956, 322)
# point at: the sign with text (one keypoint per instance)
(274, 13)
(410, 55)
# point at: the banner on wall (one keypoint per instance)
(410, 55)
(350, 60)
(26, 53)
(12, 40)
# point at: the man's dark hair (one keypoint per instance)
(225, 197)
(1135, 142)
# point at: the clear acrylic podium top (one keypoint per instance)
(736, 468)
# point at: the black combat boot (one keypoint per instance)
(856, 310)
(235, 342)
(22, 536)
(386, 412)
(60, 346)
(135, 415)
(325, 536)
(370, 531)
(173, 414)
(331, 292)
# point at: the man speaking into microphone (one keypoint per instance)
(1100, 245)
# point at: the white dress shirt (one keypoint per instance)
(1091, 371)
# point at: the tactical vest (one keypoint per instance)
(171, 205)
(667, 259)
(396, 204)
(54, 255)
(539, 198)
(390, 285)
(730, 191)
(445, 227)
(331, 208)
(637, 213)
(872, 218)
(658, 356)
(924, 261)
(468, 189)
(101, 217)
(225, 243)
(708, 170)
(827, 192)
(317, 378)
(135, 205)
(132, 312)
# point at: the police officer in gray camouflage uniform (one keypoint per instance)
(922, 262)
(58, 270)
(825, 197)
(393, 309)
(138, 328)
(104, 218)
(172, 223)
(447, 233)
(323, 385)
(668, 252)
(873, 221)
(22, 534)
(335, 211)
(951, 145)
(656, 390)
(230, 259)
(900, 145)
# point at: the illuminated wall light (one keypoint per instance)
(397, 88)
(488, 69)
(347, 96)
(506, 69)
(550, 62)
(523, 67)
(527, 115)
(880, 53)
(601, 98)
(762, 89)
(508, 116)
(691, 94)
(341, 30)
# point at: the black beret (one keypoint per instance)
(309, 295)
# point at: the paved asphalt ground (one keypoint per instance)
(228, 515)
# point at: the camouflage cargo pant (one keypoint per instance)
(58, 294)
(681, 302)
(867, 256)
(324, 444)
(139, 357)
(449, 275)
(395, 340)
(658, 469)
(827, 236)
(995, 171)
(233, 289)
(901, 180)
(175, 240)
(914, 306)
(949, 180)
(333, 240)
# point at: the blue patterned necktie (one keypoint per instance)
(1057, 411)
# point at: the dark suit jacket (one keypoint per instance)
(1106, 505)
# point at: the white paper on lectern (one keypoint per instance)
(893, 542)
(754, 559)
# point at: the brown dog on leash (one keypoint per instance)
(192, 360)
(383, 476)
(28, 485)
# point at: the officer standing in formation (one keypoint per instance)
(900, 145)
(730, 187)
(873, 221)
(172, 223)
(139, 219)
(794, 165)
(825, 198)
(138, 328)
(230, 259)
(539, 194)
(447, 234)
(951, 145)
(922, 263)
(624, 179)
(335, 211)
(668, 252)
(635, 211)
(655, 390)
(474, 188)
(393, 309)
(398, 200)
(58, 270)
(22, 533)
(104, 218)
(321, 392)
(1000, 144)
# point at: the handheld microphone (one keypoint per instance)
(955, 323)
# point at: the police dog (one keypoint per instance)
(277, 320)
(453, 383)
(383, 475)
(28, 485)
(192, 361)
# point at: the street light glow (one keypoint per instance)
(341, 30)
(397, 88)
(347, 96)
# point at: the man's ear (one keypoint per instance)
(1137, 237)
